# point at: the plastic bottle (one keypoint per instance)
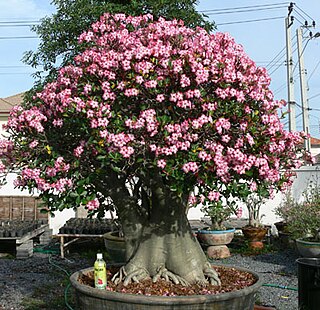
(100, 272)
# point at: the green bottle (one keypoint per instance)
(100, 273)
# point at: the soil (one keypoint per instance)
(231, 280)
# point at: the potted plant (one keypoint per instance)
(283, 211)
(148, 113)
(303, 221)
(255, 231)
(216, 237)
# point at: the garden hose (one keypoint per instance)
(280, 286)
(69, 284)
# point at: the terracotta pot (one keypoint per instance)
(90, 298)
(255, 236)
(216, 242)
(215, 237)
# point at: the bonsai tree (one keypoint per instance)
(218, 213)
(253, 204)
(152, 117)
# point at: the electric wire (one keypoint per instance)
(19, 22)
(299, 56)
(245, 11)
(303, 11)
(296, 18)
(19, 37)
(12, 66)
(314, 70)
(275, 57)
(299, 15)
(18, 25)
(250, 21)
(314, 96)
(244, 7)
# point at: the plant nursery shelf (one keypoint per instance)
(24, 244)
(74, 238)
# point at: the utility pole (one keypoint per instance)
(303, 87)
(290, 79)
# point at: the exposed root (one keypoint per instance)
(168, 275)
(210, 273)
(136, 275)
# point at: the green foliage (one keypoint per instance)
(245, 249)
(303, 218)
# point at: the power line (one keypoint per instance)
(314, 96)
(13, 66)
(303, 11)
(17, 25)
(244, 11)
(244, 7)
(303, 17)
(19, 22)
(274, 60)
(15, 73)
(250, 21)
(314, 70)
(18, 37)
(296, 18)
(277, 67)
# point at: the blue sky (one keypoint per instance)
(259, 27)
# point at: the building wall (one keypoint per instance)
(304, 176)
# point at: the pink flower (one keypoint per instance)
(213, 196)
(239, 212)
(33, 144)
(190, 167)
(160, 98)
(161, 163)
(93, 204)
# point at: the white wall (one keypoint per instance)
(304, 175)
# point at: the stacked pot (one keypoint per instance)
(18, 228)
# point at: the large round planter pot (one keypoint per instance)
(309, 283)
(89, 298)
(255, 236)
(115, 246)
(308, 249)
(216, 242)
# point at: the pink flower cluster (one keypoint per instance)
(35, 175)
(23, 119)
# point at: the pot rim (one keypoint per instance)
(164, 300)
(301, 241)
(208, 231)
(309, 261)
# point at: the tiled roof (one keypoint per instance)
(315, 141)
(7, 103)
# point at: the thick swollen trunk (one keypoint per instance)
(166, 247)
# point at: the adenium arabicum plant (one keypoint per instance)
(149, 112)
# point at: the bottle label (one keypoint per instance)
(100, 275)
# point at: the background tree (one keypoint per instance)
(152, 116)
(59, 33)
